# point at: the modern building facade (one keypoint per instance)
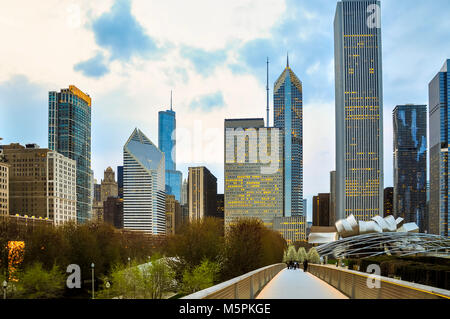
(359, 109)
(42, 183)
(184, 192)
(253, 180)
(388, 201)
(69, 133)
(143, 185)
(439, 101)
(220, 206)
(167, 144)
(321, 210)
(293, 229)
(410, 163)
(288, 117)
(202, 193)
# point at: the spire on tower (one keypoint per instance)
(287, 60)
(171, 100)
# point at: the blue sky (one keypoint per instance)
(129, 54)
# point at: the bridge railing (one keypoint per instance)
(243, 287)
(354, 284)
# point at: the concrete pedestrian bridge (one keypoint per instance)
(297, 284)
(319, 282)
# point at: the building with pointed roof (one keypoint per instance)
(288, 116)
(143, 185)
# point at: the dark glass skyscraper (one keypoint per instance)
(410, 163)
(288, 116)
(439, 95)
(359, 109)
(69, 133)
(167, 144)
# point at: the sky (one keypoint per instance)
(129, 54)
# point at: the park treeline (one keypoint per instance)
(201, 254)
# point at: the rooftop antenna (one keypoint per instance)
(171, 100)
(267, 88)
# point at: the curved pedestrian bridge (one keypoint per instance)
(297, 284)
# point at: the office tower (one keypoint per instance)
(69, 133)
(293, 229)
(174, 217)
(202, 193)
(143, 185)
(4, 184)
(439, 96)
(388, 201)
(184, 214)
(321, 210)
(113, 212)
(305, 207)
(410, 163)
(184, 192)
(288, 116)
(359, 109)
(253, 178)
(220, 206)
(333, 197)
(120, 181)
(42, 183)
(167, 144)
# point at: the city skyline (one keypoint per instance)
(109, 106)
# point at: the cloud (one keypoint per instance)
(23, 111)
(95, 67)
(208, 102)
(120, 33)
(204, 61)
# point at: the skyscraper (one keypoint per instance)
(69, 133)
(359, 109)
(439, 96)
(202, 193)
(250, 191)
(167, 144)
(288, 116)
(410, 163)
(143, 185)
(388, 201)
(332, 197)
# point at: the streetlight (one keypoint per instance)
(107, 285)
(129, 262)
(93, 286)
(5, 286)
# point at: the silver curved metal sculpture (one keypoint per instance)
(379, 236)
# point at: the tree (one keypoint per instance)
(301, 254)
(37, 283)
(313, 256)
(201, 277)
(158, 277)
(291, 254)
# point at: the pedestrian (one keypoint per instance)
(305, 265)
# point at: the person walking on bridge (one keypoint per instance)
(305, 265)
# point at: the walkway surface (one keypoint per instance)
(296, 284)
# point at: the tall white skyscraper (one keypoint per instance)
(359, 109)
(143, 185)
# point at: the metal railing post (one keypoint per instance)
(251, 288)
